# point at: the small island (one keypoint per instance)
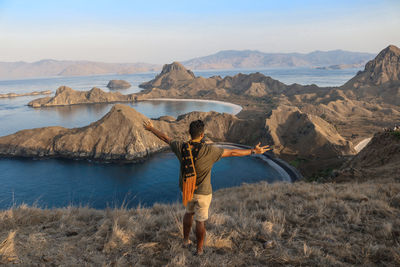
(66, 96)
(118, 84)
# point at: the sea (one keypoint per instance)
(49, 183)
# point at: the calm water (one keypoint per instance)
(288, 76)
(56, 183)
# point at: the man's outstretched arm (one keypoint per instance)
(148, 125)
(245, 152)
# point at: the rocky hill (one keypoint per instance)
(304, 135)
(232, 59)
(170, 75)
(176, 81)
(379, 160)
(67, 96)
(119, 135)
(380, 78)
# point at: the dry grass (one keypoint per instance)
(252, 225)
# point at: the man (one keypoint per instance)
(207, 155)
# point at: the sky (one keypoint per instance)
(163, 31)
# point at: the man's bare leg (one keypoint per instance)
(187, 225)
(200, 234)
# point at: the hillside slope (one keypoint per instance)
(297, 133)
(252, 225)
(379, 160)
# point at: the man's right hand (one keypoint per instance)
(148, 125)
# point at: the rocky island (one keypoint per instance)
(118, 84)
(67, 96)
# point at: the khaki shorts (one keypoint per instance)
(199, 206)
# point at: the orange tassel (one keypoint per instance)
(189, 184)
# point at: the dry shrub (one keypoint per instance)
(8, 251)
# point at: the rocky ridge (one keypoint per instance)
(120, 136)
(67, 96)
(380, 80)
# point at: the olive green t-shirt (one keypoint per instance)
(208, 155)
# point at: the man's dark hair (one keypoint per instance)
(196, 128)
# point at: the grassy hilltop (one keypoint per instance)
(308, 224)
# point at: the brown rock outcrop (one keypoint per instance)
(296, 133)
(170, 75)
(118, 84)
(383, 68)
(119, 135)
(67, 96)
(380, 80)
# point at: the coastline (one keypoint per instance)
(237, 108)
(284, 168)
(363, 143)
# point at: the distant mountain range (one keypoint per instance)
(232, 59)
(51, 67)
(229, 59)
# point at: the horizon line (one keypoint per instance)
(225, 50)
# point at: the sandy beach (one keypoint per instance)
(237, 108)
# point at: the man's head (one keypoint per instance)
(196, 129)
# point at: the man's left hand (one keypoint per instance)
(261, 149)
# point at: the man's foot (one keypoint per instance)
(198, 253)
(269, 244)
(186, 243)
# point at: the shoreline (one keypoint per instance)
(363, 143)
(237, 108)
(291, 172)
